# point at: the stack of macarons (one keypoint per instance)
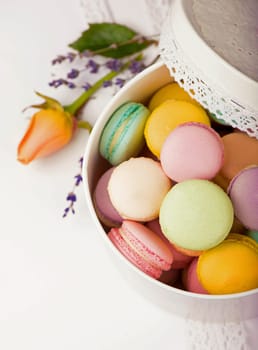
(180, 198)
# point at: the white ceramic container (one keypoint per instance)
(230, 307)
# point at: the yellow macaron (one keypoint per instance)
(171, 91)
(166, 117)
(230, 267)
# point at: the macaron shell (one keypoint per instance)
(166, 117)
(248, 241)
(169, 277)
(196, 215)
(137, 188)
(171, 91)
(241, 151)
(253, 234)
(230, 267)
(131, 255)
(243, 190)
(147, 244)
(191, 280)
(188, 252)
(122, 136)
(180, 260)
(106, 212)
(192, 151)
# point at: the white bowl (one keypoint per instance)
(229, 307)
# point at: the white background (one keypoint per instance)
(58, 288)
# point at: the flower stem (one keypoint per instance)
(83, 98)
(82, 124)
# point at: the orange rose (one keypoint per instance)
(49, 130)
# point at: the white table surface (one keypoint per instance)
(58, 288)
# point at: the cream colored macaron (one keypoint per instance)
(137, 188)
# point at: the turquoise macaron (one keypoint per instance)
(123, 134)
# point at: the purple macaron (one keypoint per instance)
(243, 192)
(107, 214)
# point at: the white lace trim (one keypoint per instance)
(157, 10)
(96, 11)
(216, 336)
(103, 10)
(204, 91)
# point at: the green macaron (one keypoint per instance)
(196, 214)
(122, 136)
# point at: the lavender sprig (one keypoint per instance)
(133, 65)
(71, 196)
(61, 58)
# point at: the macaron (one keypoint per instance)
(142, 248)
(196, 214)
(122, 136)
(192, 151)
(253, 234)
(170, 277)
(190, 279)
(180, 260)
(230, 267)
(171, 91)
(243, 191)
(166, 117)
(106, 212)
(240, 151)
(137, 187)
(187, 252)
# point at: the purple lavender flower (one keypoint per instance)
(71, 197)
(71, 56)
(73, 73)
(107, 83)
(86, 86)
(57, 82)
(66, 211)
(71, 85)
(120, 82)
(93, 66)
(114, 65)
(58, 59)
(136, 67)
(78, 179)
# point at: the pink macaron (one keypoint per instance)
(190, 279)
(170, 277)
(180, 260)
(142, 247)
(192, 151)
(105, 210)
(243, 192)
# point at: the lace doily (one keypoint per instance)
(217, 336)
(198, 84)
(151, 12)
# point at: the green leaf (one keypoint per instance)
(110, 40)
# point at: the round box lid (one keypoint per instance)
(211, 50)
